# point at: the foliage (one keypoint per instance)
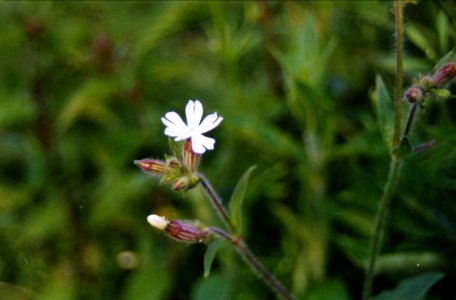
(83, 86)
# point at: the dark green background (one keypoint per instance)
(83, 86)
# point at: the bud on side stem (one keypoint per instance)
(414, 94)
(444, 74)
(181, 230)
(152, 166)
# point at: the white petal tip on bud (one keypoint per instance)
(157, 221)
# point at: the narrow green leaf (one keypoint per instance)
(209, 256)
(417, 35)
(237, 198)
(385, 113)
(415, 287)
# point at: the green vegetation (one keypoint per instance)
(305, 90)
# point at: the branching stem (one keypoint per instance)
(240, 246)
(395, 164)
(243, 250)
(216, 202)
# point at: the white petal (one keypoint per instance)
(157, 221)
(179, 133)
(175, 126)
(194, 113)
(209, 123)
(197, 145)
(173, 118)
(200, 143)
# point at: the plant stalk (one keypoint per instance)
(240, 246)
(399, 23)
(410, 118)
(243, 250)
(380, 225)
(395, 164)
(216, 202)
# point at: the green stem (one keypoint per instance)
(242, 248)
(239, 244)
(380, 225)
(399, 70)
(380, 220)
(395, 164)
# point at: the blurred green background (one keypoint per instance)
(83, 86)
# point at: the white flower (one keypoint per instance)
(158, 222)
(194, 128)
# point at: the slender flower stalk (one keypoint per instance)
(410, 118)
(240, 245)
(243, 250)
(216, 202)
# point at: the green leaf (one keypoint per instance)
(419, 36)
(219, 286)
(415, 287)
(235, 205)
(209, 256)
(329, 290)
(385, 113)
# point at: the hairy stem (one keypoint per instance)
(380, 225)
(216, 202)
(239, 244)
(395, 164)
(243, 250)
(399, 22)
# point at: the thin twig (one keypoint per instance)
(410, 118)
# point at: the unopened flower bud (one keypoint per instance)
(413, 94)
(185, 183)
(158, 222)
(425, 83)
(444, 74)
(186, 231)
(152, 166)
(442, 94)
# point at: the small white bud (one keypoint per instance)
(157, 221)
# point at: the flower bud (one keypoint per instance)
(158, 222)
(186, 231)
(414, 94)
(185, 183)
(152, 166)
(444, 74)
(442, 94)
